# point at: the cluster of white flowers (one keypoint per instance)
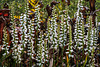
(80, 38)
(5, 43)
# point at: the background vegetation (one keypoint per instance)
(60, 40)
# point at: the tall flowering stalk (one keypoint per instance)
(39, 38)
(40, 54)
(31, 39)
(14, 34)
(5, 43)
(62, 36)
(53, 36)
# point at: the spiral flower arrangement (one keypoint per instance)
(5, 44)
(65, 42)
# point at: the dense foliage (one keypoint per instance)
(48, 33)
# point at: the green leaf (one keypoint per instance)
(85, 61)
